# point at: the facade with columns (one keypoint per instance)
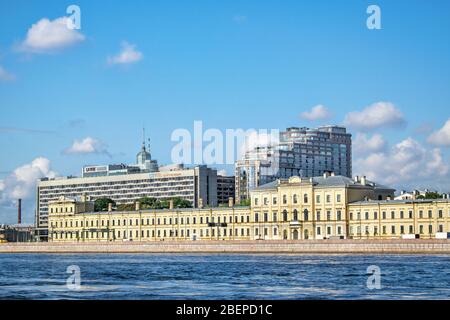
(326, 207)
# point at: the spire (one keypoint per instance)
(143, 138)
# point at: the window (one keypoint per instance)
(392, 215)
(295, 215)
(392, 229)
(375, 215)
(402, 214)
(441, 228)
(410, 214)
(256, 201)
(421, 229)
(328, 215)
(274, 216)
(411, 230)
(430, 214)
(266, 217)
(430, 229)
(338, 215)
(274, 200)
(305, 198)
(440, 215)
(305, 213)
(294, 199)
(384, 215)
(338, 198)
(275, 231)
(318, 198)
(339, 230)
(256, 217)
(367, 215)
(265, 201)
(284, 199)
(420, 214)
(351, 215)
(318, 231)
(328, 198)
(285, 216)
(384, 229)
(402, 229)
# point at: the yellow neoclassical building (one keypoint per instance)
(326, 207)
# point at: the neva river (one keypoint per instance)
(218, 276)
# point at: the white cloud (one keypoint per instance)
(86, 146)
(21, 183)
(442, 136)
(127, 55)
(406, 164)
(318, 112)
(363, 144)
(49, 36)
(5, 75)
(377, 115)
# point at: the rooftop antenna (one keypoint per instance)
(143, 137)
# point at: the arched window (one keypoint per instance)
(306, 214)
(295, 198)
(285, 216)
(305, 198)
(295, 215)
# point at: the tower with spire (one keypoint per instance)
(144, 158)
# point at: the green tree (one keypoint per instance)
(244, 203)
(147, 202)
(101, 204)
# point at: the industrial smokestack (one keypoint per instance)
(19, 211)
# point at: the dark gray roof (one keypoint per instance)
(330, 181)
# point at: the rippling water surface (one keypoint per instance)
(209, 276)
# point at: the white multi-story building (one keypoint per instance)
(302, 152)
(125, 185)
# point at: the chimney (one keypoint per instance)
(171, 204)
(388, 198)
(200, 203)
(230, 202)
(333, 174)
(363, 180)
(138, 206)
(19, 211)
(110, 207)
(356, 178)
(326, 174)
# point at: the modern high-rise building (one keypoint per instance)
(225, 189)
(300, 152)
(127, 183)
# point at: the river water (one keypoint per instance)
(221, 276)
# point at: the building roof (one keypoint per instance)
(399, 201)
(328, 181)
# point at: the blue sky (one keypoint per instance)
(231, 64)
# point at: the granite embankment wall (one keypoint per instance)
(297, 246)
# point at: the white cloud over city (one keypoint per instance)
(376, 116)
(441, 137)
(318, 112)
(87, 145)
(127, 55)
(407, 164)
(21, 183)
(364, 144)
(49, 36)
